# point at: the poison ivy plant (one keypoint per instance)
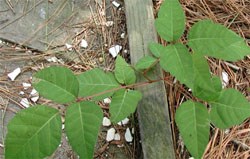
(35, 132)
(228, 107)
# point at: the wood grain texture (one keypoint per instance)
(153, 111)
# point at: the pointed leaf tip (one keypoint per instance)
(170, 23)
(82, 123)
(192, 120)
(56, 83)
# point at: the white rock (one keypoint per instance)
(63, 126)
(133, 131)
(191, 158)
(110, 134)
(122, 145)
(119, 123)
(109, 23)
(125, 51)
(14, 74)
(34, 92)
(106, 121)
(117, 137)
(84, 43)
(116, 4)
(26, 85)
(69, 47)
(107, 100)
(227, 131)
(115, 50)
(25, 102)
(123, 35)
(34, 99)
(125, 121)
(225, 79)
(52, 59)
(128, 136)
(21, 93)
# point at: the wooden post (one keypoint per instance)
(155, 130)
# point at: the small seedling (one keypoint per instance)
(35, 132)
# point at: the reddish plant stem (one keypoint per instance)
(118, 88)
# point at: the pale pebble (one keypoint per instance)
(14, 74)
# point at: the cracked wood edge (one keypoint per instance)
(153, 113)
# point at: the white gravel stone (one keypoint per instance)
(25, 102)
(26, 85)
(33, 92)
(107, 100)
(84, 43)
(109, 23)
(123, 35)
(114, 51)
(128, 136)
(116, 4)
(21, 93)
(63, 126)
(117, 137)
(14, 74)
(106, 121)
(34, 99)
(225, 79)
(125, 121)
(69, 47)
(110, 134)
(52, 59)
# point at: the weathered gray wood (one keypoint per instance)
(40, 24)
(153, 111)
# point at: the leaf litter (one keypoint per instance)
(235, 142)
(88, 49)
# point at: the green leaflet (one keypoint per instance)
(178, 61)
(204, 87)
(217, 41)
(96, 81)
(145, 62)
(192, 120)
(170, 23)
(123, 104)
(56, 83)
(82, 123)
(34, 132)
(124, 72)
(156, 49)
(230, 109)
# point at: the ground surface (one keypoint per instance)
(101, 25)
(235, 14)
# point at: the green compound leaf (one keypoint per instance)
(34, 132)
(156, 49)
(82, 123)
(178, 61)
(124, 72)
(56, 83)
(124, 103)
(96, 81)
(230, 109)
(217, 41)
(145, 62)
(205, 87)
(170, 23)
(192, 120)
